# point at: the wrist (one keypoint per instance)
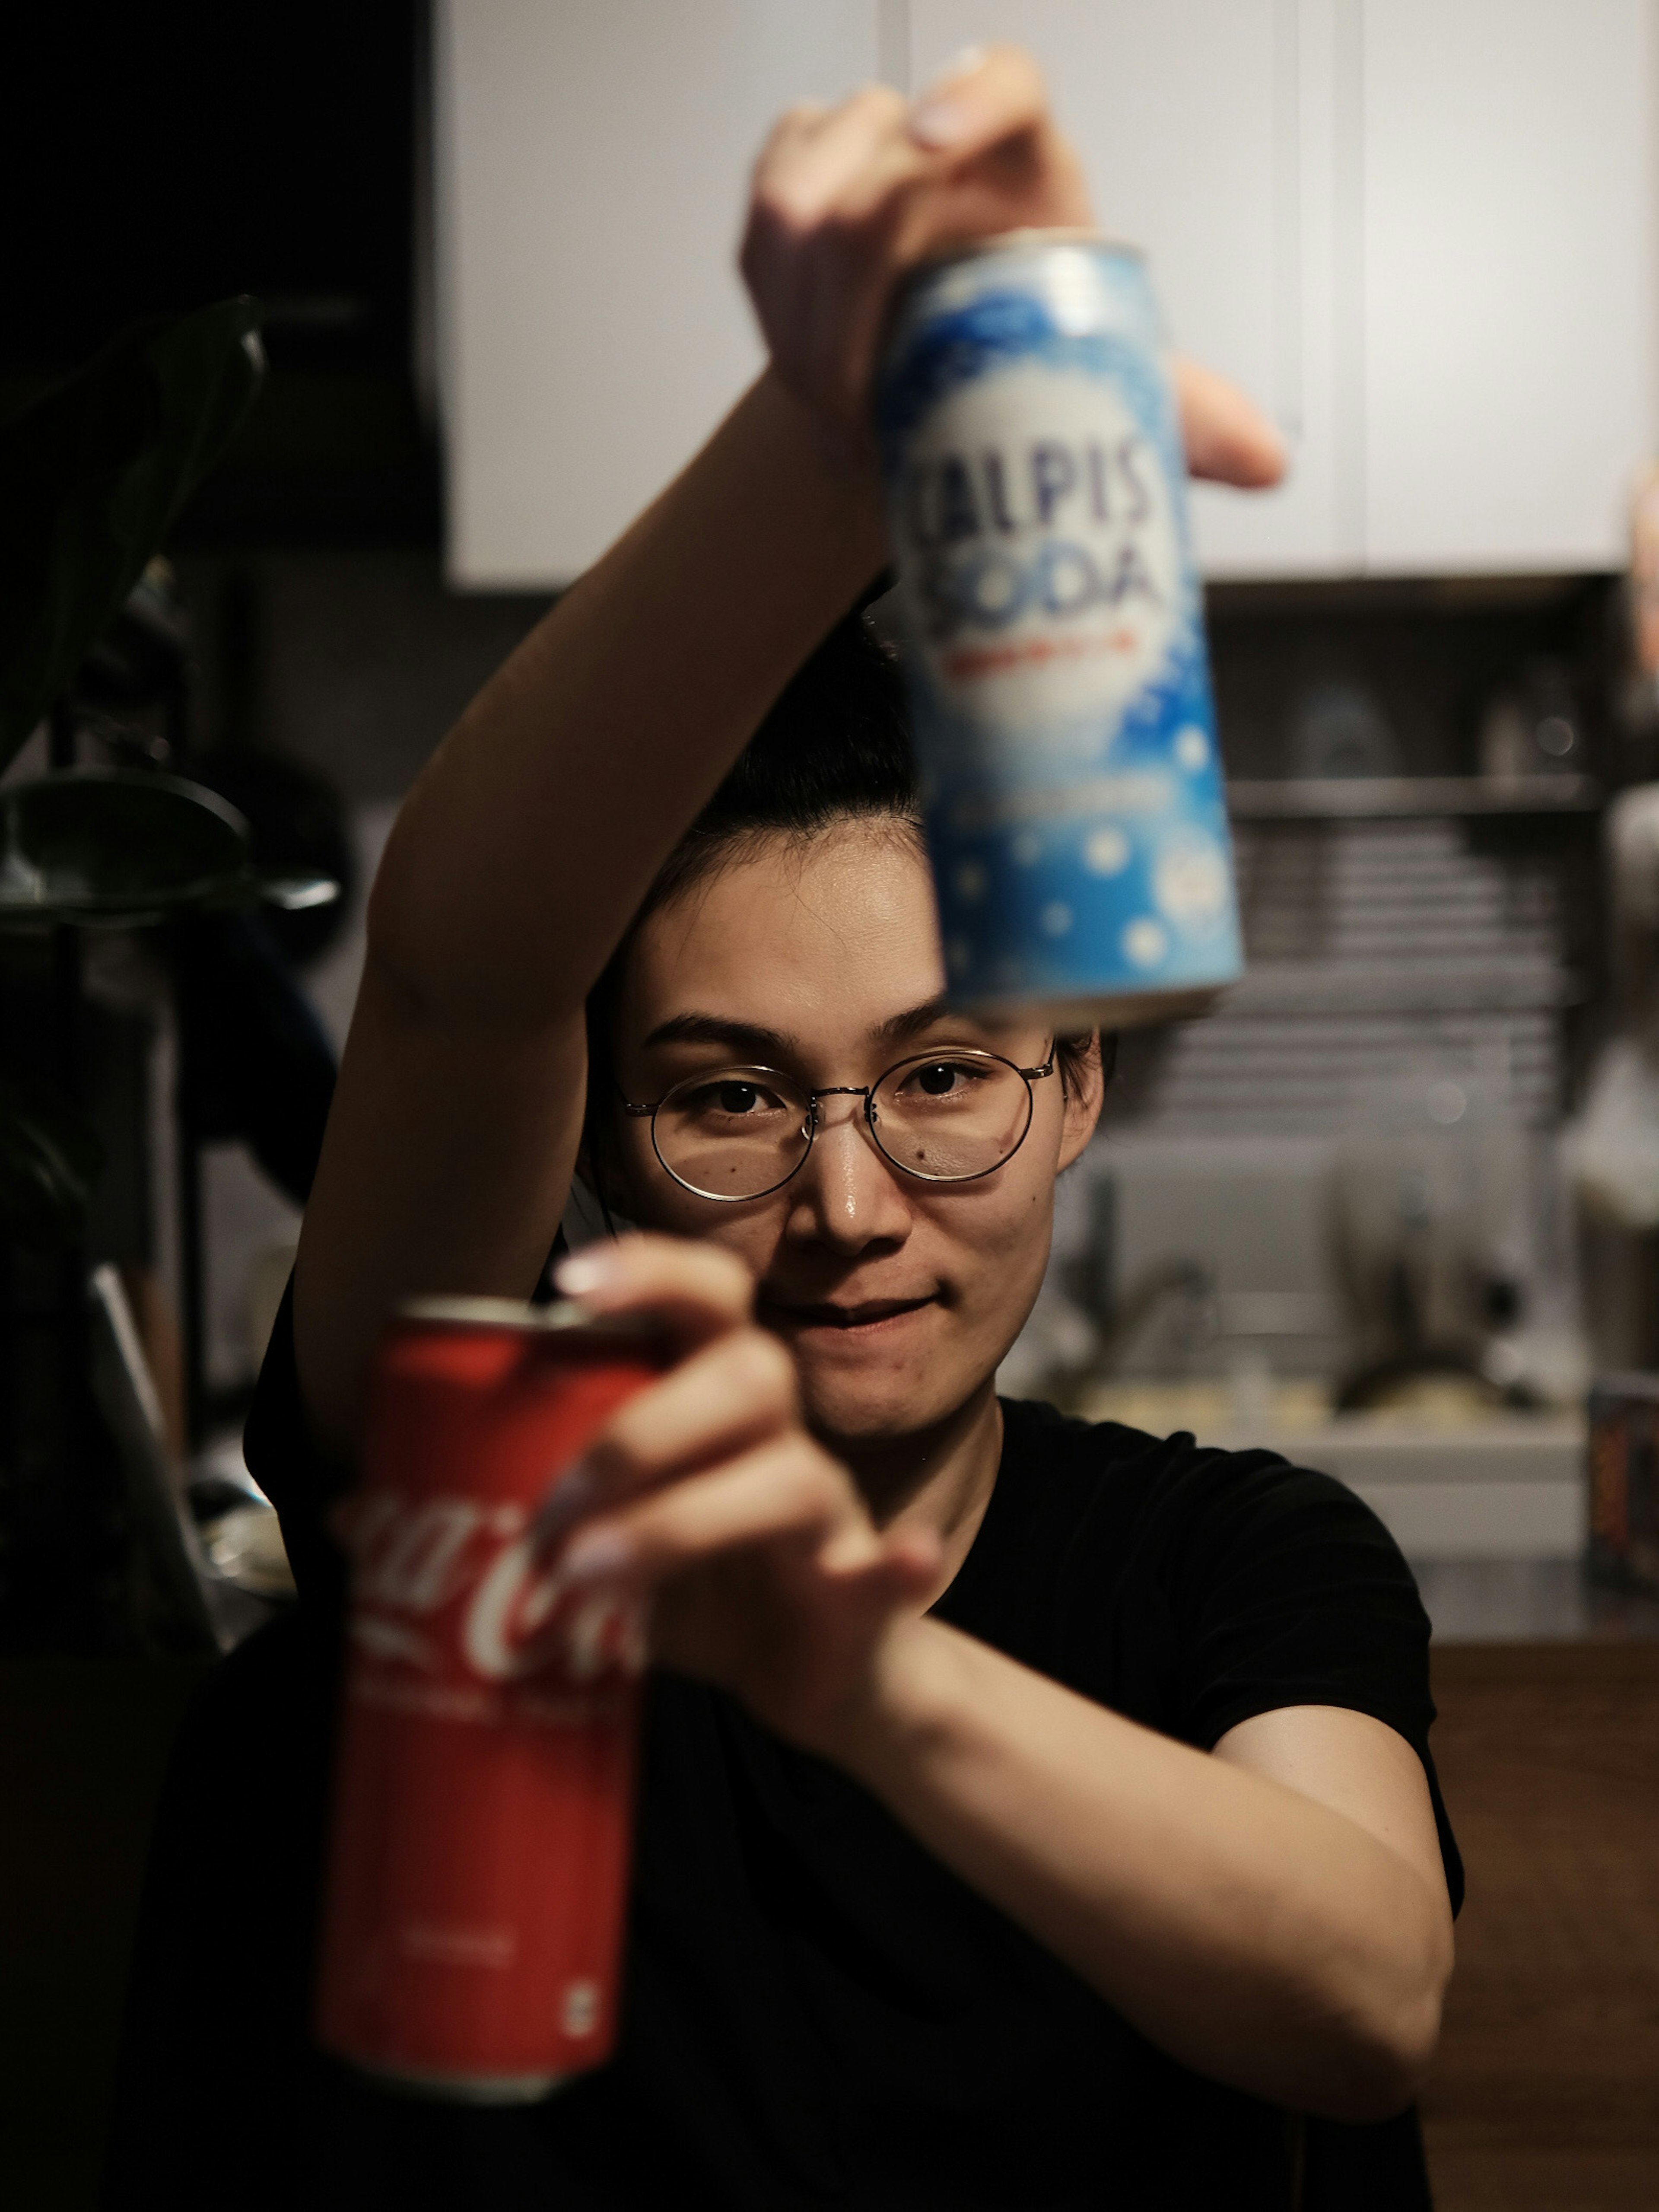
(840, 460)
(905, 1708)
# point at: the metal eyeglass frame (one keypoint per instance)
(866, 1091)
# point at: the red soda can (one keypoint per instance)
(484, 1792)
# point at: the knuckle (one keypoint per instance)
(783, 212)
(621, 1455)
(880, 103)
(764, 1370)
(800, 115)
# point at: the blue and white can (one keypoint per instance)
(1054, 630)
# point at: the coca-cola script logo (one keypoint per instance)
(449, 1585)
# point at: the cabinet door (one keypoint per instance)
(1509, 281)
(592, 165)
(1205, 126)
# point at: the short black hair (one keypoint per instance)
(834, 746)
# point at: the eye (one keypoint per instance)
(730, 1098)
(943, 1078)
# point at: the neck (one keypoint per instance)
(937, 1481)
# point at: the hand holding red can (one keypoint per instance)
(765, 1572)
(536, 1487)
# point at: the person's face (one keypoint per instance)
(898, 1297)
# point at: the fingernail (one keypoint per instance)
(580, 1272)
(963, 62)
(936, 119)
(939, 124)
(602, 1556)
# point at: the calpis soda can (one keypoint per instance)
(1053, 633)
(483, 1817)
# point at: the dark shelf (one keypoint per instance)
(1367, 797)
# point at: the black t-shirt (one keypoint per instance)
(817, 2012)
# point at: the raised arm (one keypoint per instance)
(527, 842)
(517, 860)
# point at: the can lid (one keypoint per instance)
(1015, 241)
(515, 1313)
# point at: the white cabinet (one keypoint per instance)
(1507, 253)
(593, 159)
(1420, 233)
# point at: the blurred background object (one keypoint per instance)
(1533, 727)
(1340, 730)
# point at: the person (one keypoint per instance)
(1032, 1814)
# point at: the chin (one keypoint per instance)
(854, 1410)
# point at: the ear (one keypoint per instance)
(1084, 1098)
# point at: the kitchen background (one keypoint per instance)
(1393, 1206)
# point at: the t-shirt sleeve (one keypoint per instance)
(1288, 1590)
(291, 1467)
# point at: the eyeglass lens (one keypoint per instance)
(739, 1133)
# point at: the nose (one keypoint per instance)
(846, 1195)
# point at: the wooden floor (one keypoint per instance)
(1546, 2093)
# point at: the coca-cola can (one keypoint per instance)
(483, 1794)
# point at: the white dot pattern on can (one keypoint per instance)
(1192, 881)
(1106, 850)
(1145, 941)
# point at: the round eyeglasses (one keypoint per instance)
(733, 1133)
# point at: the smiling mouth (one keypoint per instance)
(830, 1316)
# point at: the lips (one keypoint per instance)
(830, 1315)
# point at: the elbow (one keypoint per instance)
(1384, 2071)
(1389, 2045)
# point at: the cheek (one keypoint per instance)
(1023, 1194)
(652, 1200)
(1000, 1229)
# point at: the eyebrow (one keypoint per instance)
(753, 1037)
(720, 1029)
(900, 1027)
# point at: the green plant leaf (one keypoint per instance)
(91, 479)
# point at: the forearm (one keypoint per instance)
(530, 838)
(1252, 1932)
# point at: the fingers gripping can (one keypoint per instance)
(482, 1814)
(1054, 623)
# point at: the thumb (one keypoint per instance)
(1227, 436)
